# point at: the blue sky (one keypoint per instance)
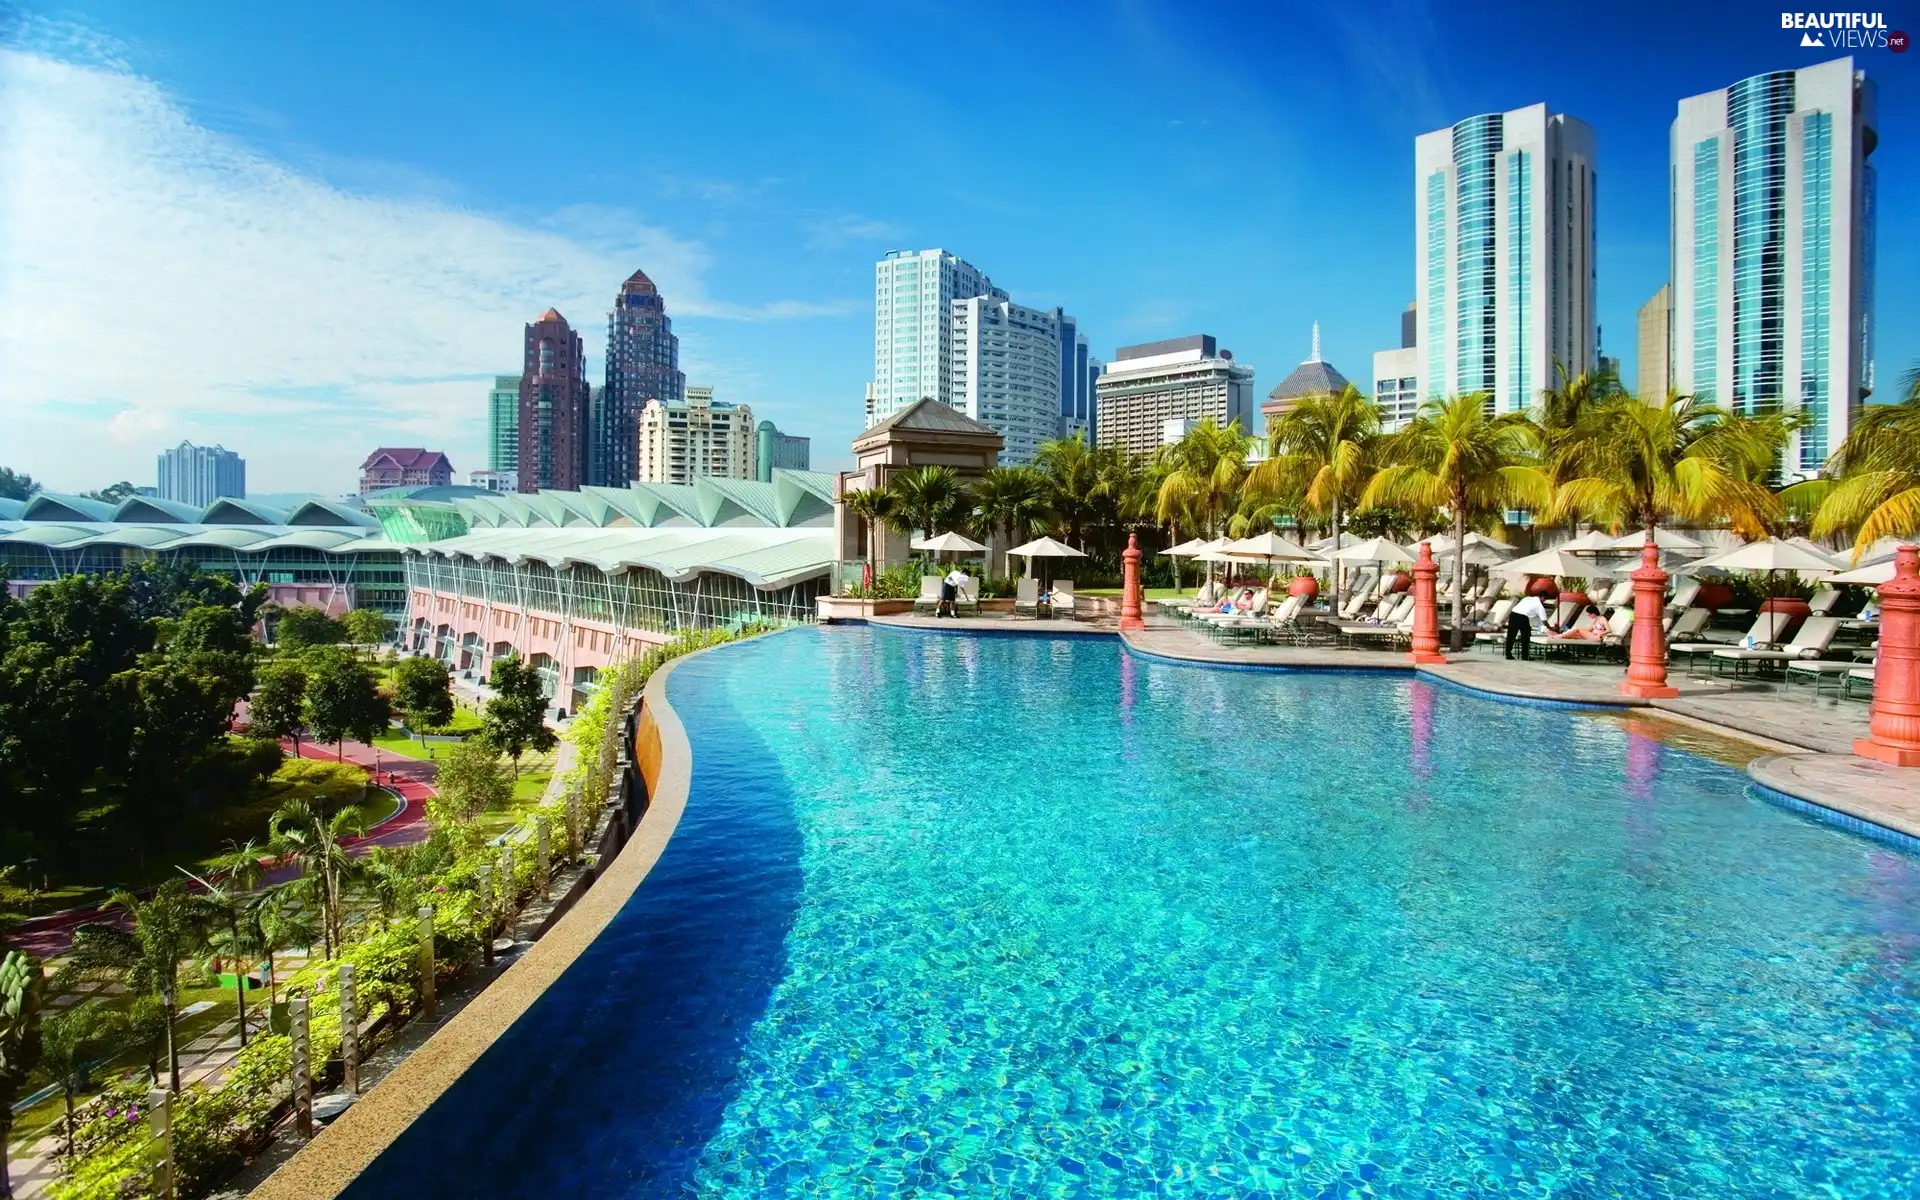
(304, 230)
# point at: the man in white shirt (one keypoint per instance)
(1524, 620)
(950, 592)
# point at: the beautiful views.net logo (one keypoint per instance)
(1845, 31)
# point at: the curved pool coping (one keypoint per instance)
(325, 1166)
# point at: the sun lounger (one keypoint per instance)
(1684, 595)
(1620, 594)
(1811, 641)
(1823, 601)
(1619, 629)
(1689, 625)
(1062, 602)
(1818, 671)
(1766, 627)
(929, 593)
(1493, 624)
(968, 595)
(1856, 678)
(1026, 595)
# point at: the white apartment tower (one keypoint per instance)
(679, 440)
(1005, 370)
(1504, 269)
(912, 330)
(1772, 243)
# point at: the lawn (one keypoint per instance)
(396, 740)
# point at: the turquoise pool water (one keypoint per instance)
(1023, 917)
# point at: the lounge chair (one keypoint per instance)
(1811, 641)
(1493, 624)
(1026, 595)
(1062, 602)
(1857, 677)
(968, 595)
(1689, 625)
(1619, 629)
(1620, 594)
(1766, 628)
(1684, 595)
(1823, 602)
(1817, 671)
(929, 593)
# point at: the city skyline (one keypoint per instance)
(776, 311)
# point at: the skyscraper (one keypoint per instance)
(912, 328)
(200, 474)
(680, 440)
(1076, 379)
(783, 450)
(643, 363)
(1773, 249)
(503, 424)
(1179, 381)
(1503, 233)
(1005, 363)
(1653, 370)
(553, 406)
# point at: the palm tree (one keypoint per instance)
(1875, 489)
(871, 506)
(1076, 482)
(1202, 473)
(75, 1039)
(1645, 464)
(22, 995)
(239, 874)
(314, 844)
(1457, 456)
(1565, 414)
(1322, 450)
(284, 921)
(930, 497)
(167, 927)
(1009, 500)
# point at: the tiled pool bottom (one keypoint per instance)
(1009, 917)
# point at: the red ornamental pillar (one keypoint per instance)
(1426, 614)
(1894, 735)
(1130, 592)
(1647, 660)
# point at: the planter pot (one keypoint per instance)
(1793, 606)
(1400, 582)
(1543, 586)
(1713, 595)
(1573, 597)
(1304, 585)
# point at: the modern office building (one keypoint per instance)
(699, 436)
(776, 450)
(1189, 378)
(494, 481)
(643, 363)
(1396, 375)
(1504, 267)
(913, 291)
(1654, 345)
(554, 402)
(1078, 370)
(1773, 249)
(199, 475)
(1006, 372)
(404, 466)
(1313, 377)
(503, 425)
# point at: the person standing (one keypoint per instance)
(950, 592)
(1525, 619)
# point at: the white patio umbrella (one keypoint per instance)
(948, 543)
(1380, 550)
(1838, 558)
(1044, 547)
(1665, 539)
(1593, 541)
(1554, 562)
(1272, 548)
(1873, 574)
(1444, 543)
(1768, 555)
(1190, 548)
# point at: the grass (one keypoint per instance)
(399, 742)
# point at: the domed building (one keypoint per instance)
(1311, 378)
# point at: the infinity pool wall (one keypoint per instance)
(1024, 917)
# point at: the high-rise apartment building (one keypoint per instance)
(1504, 268)
(1182, 379)
(695, 436)
(913, 291)
(200, 475)
(503, 425)
(643, 363)
(554, 399)
(1773, 249)
(783, 450)
(1396, 375)
(1005, 363)
(1654, 345)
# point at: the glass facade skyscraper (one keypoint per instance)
(1772, 245)
(643, 363)
(1504, 227)
(503, 424)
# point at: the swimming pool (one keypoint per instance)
(1033, 917)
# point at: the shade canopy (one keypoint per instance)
(1770, 554)
(948, 543)
(1046, 547)
(1592, 541)
(1665, 539)
(1444, 543)
(1380, 550)
(1270, 547)
(1554, 562)
(1188, 548)
(1873, 574)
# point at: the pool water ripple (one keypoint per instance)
(1029, 917)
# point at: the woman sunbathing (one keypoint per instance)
(1591, 627)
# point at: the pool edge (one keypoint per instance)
(342, 1151)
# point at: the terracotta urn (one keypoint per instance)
(1304, 585)
(1400, 582)
(1713, 595)
(1573, 597)
(1795, 608)
(1543, 586)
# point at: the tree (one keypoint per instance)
(1201, 476)
(1323, 451)
(342, 701)
(872, 506)
(72, 1041)
(515, 720)
(22, 995)
(303, 626)
(930, 498)
(1076, 484)
(15, 485)
(1010, 500)
(167, 927)
(1874, 491)
(471, 781)
(279, 706)
(236, 874)
(284, 921)
(168, 589)
(215, 644)
(423, 692)
(367, 627)
(316, 845)
(113, 493)
(179, 723)
(1475, 465)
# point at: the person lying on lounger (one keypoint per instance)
(1590, 627)
(1241, 604)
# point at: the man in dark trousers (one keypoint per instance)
(1523, 620)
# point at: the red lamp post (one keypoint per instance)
(1130, 591)
(1894, 727)
(1426, 613)
(1647, 659)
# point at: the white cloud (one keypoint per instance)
(159, 277)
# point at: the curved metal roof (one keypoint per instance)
(233, 510)
(48, 534)
(763, 557)
(57, 506)
(153, 510)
